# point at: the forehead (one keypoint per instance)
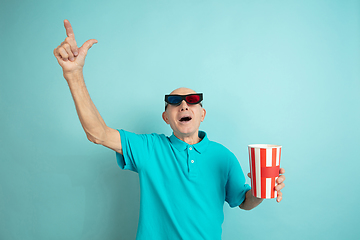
(183, 91)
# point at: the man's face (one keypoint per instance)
(184, 119)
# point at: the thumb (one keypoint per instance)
(86, 46)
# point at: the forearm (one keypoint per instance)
(90, 118)
(250, 201)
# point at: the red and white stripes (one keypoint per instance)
(264, 162)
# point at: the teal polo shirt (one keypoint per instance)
(182, 187)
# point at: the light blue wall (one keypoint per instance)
(281, 72)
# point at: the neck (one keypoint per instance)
(189, 139)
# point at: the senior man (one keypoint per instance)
(185, 178)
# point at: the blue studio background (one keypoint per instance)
(279, 72)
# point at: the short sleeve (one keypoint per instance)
(235, 186)
(136, 150)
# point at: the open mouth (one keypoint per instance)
(185, 119)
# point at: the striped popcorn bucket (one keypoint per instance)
(264, 162)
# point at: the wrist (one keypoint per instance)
(73, 76)
(252, 197)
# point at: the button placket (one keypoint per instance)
(191, 161)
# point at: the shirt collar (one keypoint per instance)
(182, 146)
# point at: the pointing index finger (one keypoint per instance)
(69, 30)
(71, 37)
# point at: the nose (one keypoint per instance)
(184, 106)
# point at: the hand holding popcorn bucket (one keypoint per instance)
(264, 162)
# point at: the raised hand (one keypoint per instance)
(70, 57)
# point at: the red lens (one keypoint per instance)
(193, 98)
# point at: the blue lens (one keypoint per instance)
(174, 99)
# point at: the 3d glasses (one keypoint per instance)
(191, 99)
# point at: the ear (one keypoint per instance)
(164, 116)
(204, 114)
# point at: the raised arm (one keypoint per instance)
(72, 60)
